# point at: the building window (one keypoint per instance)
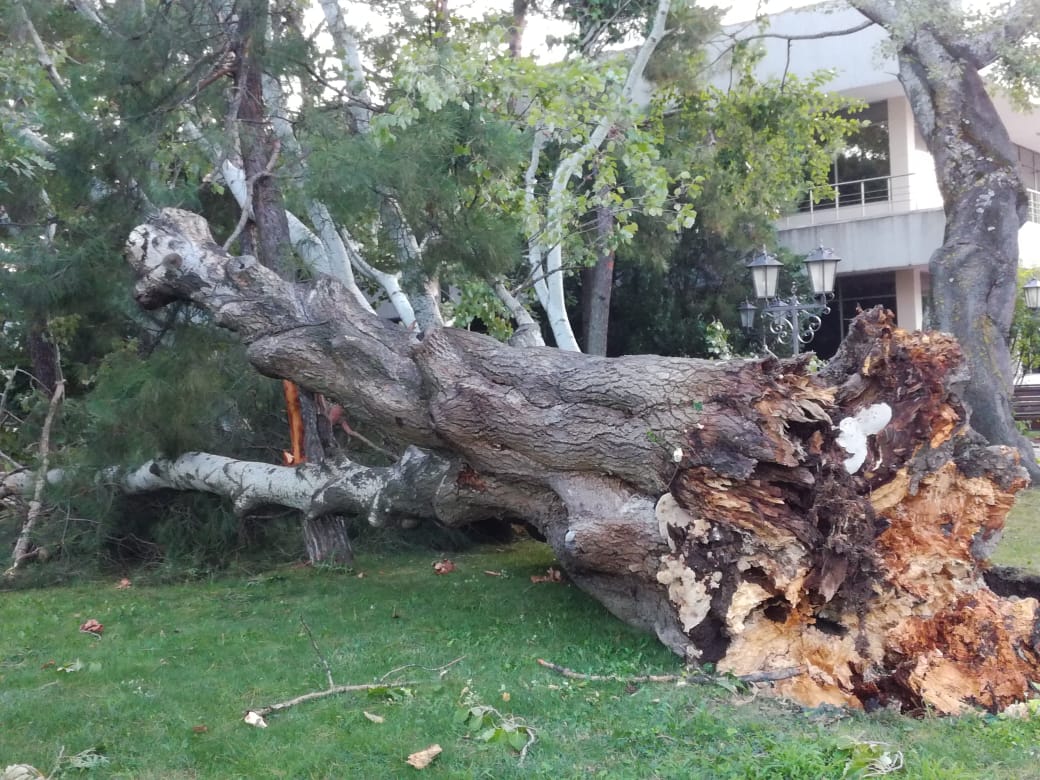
(1029, 168)
(860, 172)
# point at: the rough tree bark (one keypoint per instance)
(974, 273)
(749, 513)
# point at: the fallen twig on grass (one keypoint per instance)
(332, 691)
(440, 669)
(255, 717)
(698, 677)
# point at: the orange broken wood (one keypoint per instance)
(871, 582)
(294, 412)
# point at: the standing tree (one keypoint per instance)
(941, 51)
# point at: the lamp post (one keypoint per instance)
(791, 320)
(1031, 290)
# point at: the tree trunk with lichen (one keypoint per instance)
(974, 274)
(749, 513)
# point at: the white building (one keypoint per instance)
(888, 217)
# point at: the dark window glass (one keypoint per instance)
(852, 292)
(860, 172)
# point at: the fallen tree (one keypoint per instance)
(749, 513)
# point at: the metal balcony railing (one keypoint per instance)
(861, 197)
(878, 196)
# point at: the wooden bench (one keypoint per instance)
(1026, 404)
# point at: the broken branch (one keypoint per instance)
(21, 547)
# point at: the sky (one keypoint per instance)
(359, 15)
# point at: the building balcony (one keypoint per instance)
(864, 199)
(876, 197)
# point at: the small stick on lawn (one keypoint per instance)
(332, 690)
(773, 676)
(317, 652)
(440, 669)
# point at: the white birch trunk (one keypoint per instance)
(546, 259)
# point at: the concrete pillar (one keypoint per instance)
(909, 299)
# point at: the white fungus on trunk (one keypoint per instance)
(855, 430)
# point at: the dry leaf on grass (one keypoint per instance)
(373, 718)
(422, 759)
(552, 574)
(255, 720)
(92, 627)
(493, 573)
(443, 567)
(123, 584)
(200, 729)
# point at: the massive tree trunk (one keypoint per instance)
(830, 528)
(974, 273)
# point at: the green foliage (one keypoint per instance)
(1025, 330)
(667, 310)
(770, 142)
(486, 724)
(604, 22)
(478, 302)
(718, 341)
(201, 374)
(870, 759)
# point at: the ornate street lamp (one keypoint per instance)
(822, 265)
(765, 272)
(1031, 290)
(747, 314)
(791, 320)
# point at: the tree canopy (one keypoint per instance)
(823, 531)
(429, 167)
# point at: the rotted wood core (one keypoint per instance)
(870, 580)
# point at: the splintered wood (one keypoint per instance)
(870, 581)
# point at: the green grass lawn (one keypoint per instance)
(163, 693)
(1020, 545)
